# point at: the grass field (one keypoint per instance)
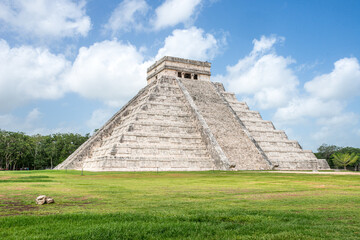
(179, 205)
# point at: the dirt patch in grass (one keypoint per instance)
(11, 208)
(4, 177)
(76, 204)
(17, 188)
(284, 195)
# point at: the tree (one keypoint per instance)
(18, 150)
(326, 151)
(344, 159)
(352, 150)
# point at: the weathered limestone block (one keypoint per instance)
(43, 199)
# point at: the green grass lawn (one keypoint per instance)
(179, 205)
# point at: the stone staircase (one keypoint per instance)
(238, 148)
(283, 153)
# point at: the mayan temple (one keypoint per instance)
(181, 121)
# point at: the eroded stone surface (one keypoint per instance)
(183, 123)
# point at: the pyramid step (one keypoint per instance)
(248, 114)
(156, 126)
(290, 155)
(152, 158)
(260, 128)
(165, 116)
(229, 96)
(165, 122)
(277, 141)
(165, 104)
(279, 144)
(149, 165)
(127, 135)
(166, 95)
(152, 145)
(147, 137)
(239, 106)
(258, 123)
(281, 149)
(269, 135)
(128, 152)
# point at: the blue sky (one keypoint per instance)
(67, 66)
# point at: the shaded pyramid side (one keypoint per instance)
(156, 130)
(284, 154)
(241, 151)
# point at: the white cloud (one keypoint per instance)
(324, 105)
(326, 95)
(173, 12)
(124, 17)
(338, 129)
(43, 18)
(304, 107)
(99, 117)
(342, 83)
(10, 122)
(190, 43)
(265, 43)
(109, 71)
(263, 77)
(33, 123)
(28, 73)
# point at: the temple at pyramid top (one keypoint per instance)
(179, 67)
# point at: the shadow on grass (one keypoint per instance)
(32, 179)
(198, 225)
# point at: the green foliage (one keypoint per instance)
(20, 151)
(328, 152)
(325, 151)
(345, 159)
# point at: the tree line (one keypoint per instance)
(20, 151)
(340, 157)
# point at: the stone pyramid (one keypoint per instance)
(181, 121)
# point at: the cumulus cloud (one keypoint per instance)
(11, 122)
(325, 95)
(125, 16)
(173, 12)
(190, 43)
(28, 73)
(343, 82)
(324, 103)
(338, 128)
(300, 108)
(99, 117)
(33, 123)
(42, 18)
(109, 71)
(263, 77)
(265, 43)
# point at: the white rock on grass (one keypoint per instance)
(42, 199)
